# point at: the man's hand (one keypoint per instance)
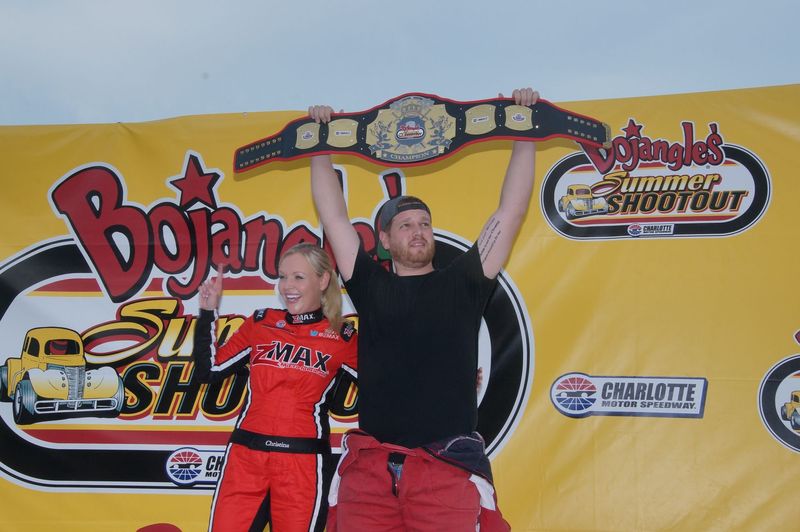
(526, 96)
(321, 113)
(211, 292)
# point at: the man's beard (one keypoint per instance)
(414, 257)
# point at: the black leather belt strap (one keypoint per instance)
(417, 128)
(281, 444)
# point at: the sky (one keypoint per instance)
(99, 61)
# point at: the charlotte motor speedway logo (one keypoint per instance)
(579, 395)
(187, 466)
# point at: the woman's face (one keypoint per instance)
(299, 285)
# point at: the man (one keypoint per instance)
(416, 461)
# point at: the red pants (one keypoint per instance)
(292, 481)
(430, 495)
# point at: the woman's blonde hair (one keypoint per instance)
(332, 296)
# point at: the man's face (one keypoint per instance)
(410, 239)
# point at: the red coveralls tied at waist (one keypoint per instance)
(446, 485)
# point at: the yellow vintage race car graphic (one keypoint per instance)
(790, 411)
(579, 201)
(49, 380)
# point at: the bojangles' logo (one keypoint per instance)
(655, 187)
(117, 295)
(128, 244)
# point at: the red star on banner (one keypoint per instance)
(633, 129)
(196, 185)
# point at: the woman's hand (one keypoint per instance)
(211, 292)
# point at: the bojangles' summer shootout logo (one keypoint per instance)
(102, 392)
(643, 187)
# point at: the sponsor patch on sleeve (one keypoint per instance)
(348, 330)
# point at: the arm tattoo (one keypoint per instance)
(489, 238)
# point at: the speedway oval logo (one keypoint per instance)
(574, 394)
(187, 466)
(644, 188)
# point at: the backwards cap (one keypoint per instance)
(395, 206)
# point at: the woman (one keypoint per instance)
(279, 448)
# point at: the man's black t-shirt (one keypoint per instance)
(418, 349)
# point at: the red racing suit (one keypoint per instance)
(275, 459)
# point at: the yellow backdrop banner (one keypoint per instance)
(640, 355)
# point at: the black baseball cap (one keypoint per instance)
(395, 206)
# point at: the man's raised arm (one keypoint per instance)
(499, 233)
(330, 204)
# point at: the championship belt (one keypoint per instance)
(417, 128)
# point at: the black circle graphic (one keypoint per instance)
(502, 405)
(767, 394)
